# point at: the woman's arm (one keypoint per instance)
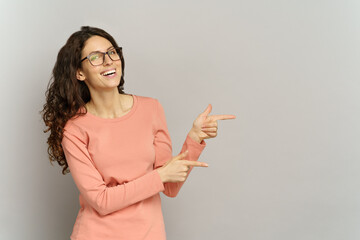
(163, 149)
(91, 185)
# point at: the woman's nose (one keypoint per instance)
(107, 59)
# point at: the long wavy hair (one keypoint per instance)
(66, 94)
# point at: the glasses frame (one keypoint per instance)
(117, 49)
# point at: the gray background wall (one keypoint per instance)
(286, 168)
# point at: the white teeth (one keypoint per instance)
(108, 72)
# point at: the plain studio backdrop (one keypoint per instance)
(286, 168)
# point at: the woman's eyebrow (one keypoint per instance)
(100, 51)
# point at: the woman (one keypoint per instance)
(116, 145)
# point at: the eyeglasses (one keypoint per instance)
(98, 58)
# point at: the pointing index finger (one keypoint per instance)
(194, 163)
(222, 117)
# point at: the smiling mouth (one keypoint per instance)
(109, 73)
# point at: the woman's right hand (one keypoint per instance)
(176, 169)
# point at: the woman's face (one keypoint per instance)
(94, 75)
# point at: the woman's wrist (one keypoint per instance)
(192, 134)
(159, 170)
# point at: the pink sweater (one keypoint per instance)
(113, 162)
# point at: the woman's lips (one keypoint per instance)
(111, 75)
(108, 70)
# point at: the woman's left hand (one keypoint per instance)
(206, 126)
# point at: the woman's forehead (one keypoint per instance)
(96, 43)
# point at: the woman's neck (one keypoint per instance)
(112, 107)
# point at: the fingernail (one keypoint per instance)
(206, 165)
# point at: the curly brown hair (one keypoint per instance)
(66, 94)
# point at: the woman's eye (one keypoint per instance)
(94, 57)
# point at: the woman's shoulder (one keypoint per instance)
(73, 129)
(76, 123)
(150, 105)
(147, 99)
(72, 125)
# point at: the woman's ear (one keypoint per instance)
(80, 75)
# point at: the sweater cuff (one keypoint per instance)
(194, 143)
(193, 147)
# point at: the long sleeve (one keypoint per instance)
(163, 149)
(89, 181)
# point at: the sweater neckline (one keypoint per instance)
(126, 116)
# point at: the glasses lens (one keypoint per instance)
(114, 54)
(96, 58)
